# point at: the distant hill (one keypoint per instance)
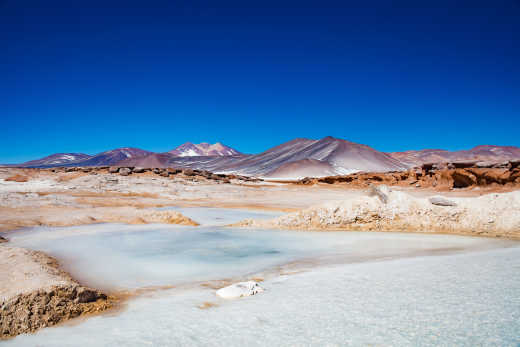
(114, 156)
(328, 156)
(297, 158)
(58, 159)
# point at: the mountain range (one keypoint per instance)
(297, 158)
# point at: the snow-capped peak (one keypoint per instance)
(189, 149)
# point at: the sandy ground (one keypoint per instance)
(30, 197)
(44, 198)
(64, 199)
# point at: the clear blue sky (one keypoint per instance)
(88, 76)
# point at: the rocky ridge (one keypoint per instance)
(438, 176)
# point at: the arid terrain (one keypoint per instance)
(458, 199)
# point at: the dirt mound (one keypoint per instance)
(26, 313)
(36, 293)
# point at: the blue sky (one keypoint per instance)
(395, 75)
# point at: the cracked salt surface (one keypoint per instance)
(471, 297)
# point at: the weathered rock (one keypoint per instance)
(113, 169)
(381, 191)
(239, 290)
(138, 170)
(2, 239)
(124, 171)
(440, 201)
(188, 172)
(26, 313)
(463, 179)
(515, 163)
(156, 171)
(464, 164)
(485, 164)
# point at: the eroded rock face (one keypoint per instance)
(239, 290)
(439, 177)
(27, 313)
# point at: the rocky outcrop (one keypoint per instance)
(26, 313)
(439, 176)
(36, 293)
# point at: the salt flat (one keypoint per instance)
(466, 298)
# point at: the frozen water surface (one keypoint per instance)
(221, 216)
(353, 288)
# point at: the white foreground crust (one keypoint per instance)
(239, 290)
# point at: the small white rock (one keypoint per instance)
(239, 290)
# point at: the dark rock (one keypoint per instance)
(515, 163)
(464, 164)
(463, 179)
(113, 169)
(2, 239)
(84, 295)
(188, 172)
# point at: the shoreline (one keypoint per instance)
(115, 301)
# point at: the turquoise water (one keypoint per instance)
(339, 289)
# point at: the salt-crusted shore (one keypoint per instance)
(36, 293)
(493, 215)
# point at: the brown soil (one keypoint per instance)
(48, 306)
(18, 178)
(26, 313)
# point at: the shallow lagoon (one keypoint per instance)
(322, 288)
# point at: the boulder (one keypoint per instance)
(239, 290)
(2, 239)
(440, 201)
(138, 170)
(113, 169)
(124, 171)
(188, 172)
(381, 191)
